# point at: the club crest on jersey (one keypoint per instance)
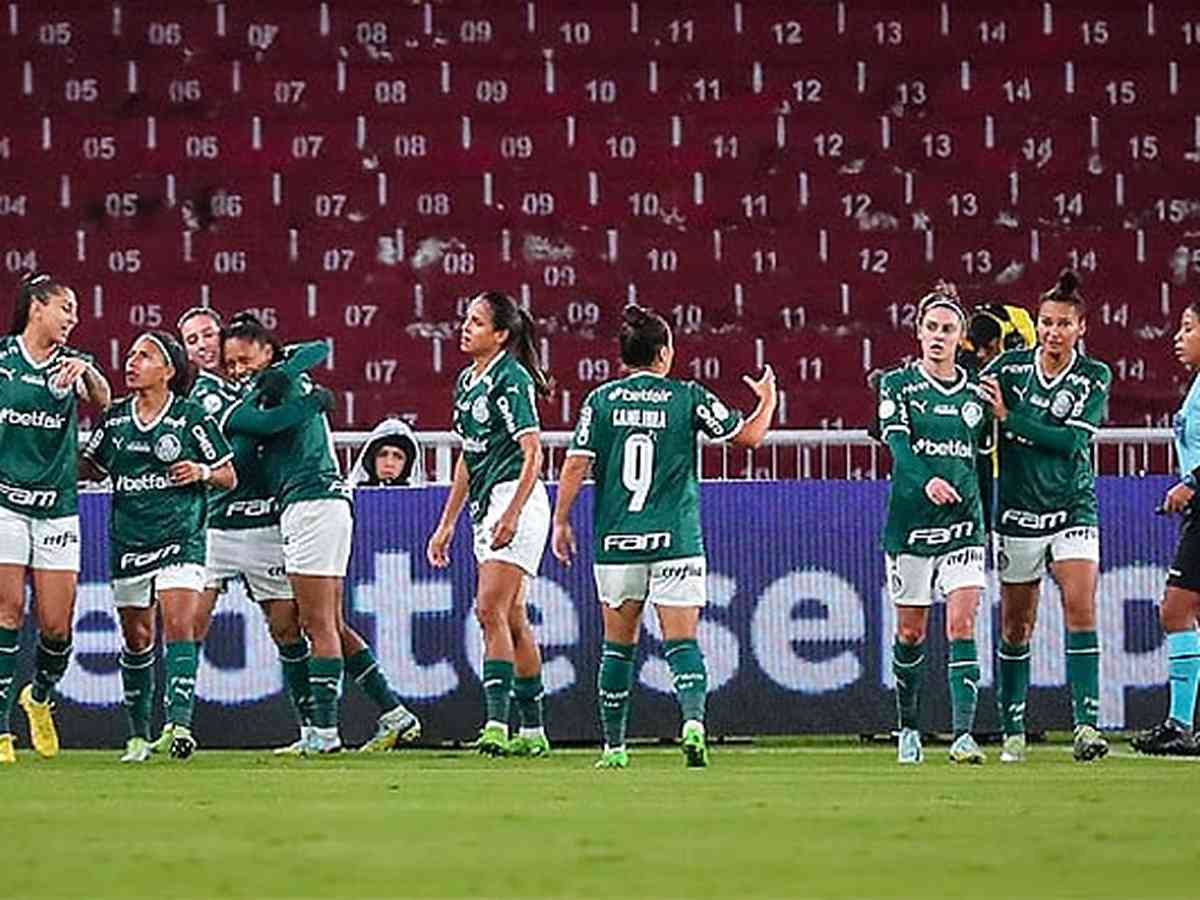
(57, 391)
(212, 404)
(479, 410)
(167, 448)
(972, 413)
(887, 408)
(1061, 404)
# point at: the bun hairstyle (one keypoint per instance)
(943, 296)
(1066, 290)
(180, 383)
(39, 286)
(248, 327)
(508, 315)
(643, 333)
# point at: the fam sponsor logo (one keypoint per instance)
(1034, 521)
(251, 509)
(38, 498)
(36, 418)
(638, 543)
(140, 559)
(935, 537)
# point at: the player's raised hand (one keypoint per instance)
(940, 492)
(68, 372)
(562, 543)
(764, 385)
(437, 551)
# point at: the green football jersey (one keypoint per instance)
(155, 522)
(944, 427)
(299, 463)
(1045, 489)
(491, 413)
(39, 427)
(640, 432)
(250, 504)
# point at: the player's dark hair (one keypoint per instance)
(248, 327)
(983, 328)
(1194, 308)
(943, 296)
(643, 333)
(180, 383)
(1066, 290)
(510, 316)
(190, 314)
(39, 286)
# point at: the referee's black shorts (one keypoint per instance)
(1185, 570)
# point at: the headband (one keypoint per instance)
(941, 301)
(161, 345)
(200, 311)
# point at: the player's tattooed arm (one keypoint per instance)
(96, 388)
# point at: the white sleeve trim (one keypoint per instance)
(580, 451)
(524, 431)
(1086, 426)
(220, 462)
(726, 438)
(903, 429)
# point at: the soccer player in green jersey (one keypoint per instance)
(245, 540)
(495, 414)
(1179, 612)
(40, 380)
(638, 435)
(1049, 401)
(161, 452)
(935, 425)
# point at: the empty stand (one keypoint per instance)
(780, 179)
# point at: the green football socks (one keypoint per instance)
(964, 685)
(9, 638)
(363, 667)
(908, 668)
(616, 682)
(137, 681)
(181, 682)
(527, 695)
(50, 664)
(1012, 689)
(497, 689)
(325, 681)
(690, 677)
(293, 659)
(1083, 674)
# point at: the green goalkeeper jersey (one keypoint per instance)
(1046, 478)
(640, 432)
(934, 429)
(155, 522)
(492, 410)
(39, 426)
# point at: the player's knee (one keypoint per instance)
(139, 636)
(284, 632)
(490, 616)
(910, 632)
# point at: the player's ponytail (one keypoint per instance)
(643, 333)
(508, 315)
(248, 327)
(180, 382)
(1066, 290)
(39, 286)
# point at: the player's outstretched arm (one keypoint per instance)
(755, 429)
(570, 481)
(247, 418)
(304, 357)
(437, 551)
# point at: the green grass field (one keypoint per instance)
(775, 820)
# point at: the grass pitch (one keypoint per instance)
(778, 820)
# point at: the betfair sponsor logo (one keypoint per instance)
(151, 481)
(638, 543)
(643, 395)
(640, 418)
(935, 537)
(37, 418)
(137, 560)
(955, 448)
(19, 496)
(1034, 521)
